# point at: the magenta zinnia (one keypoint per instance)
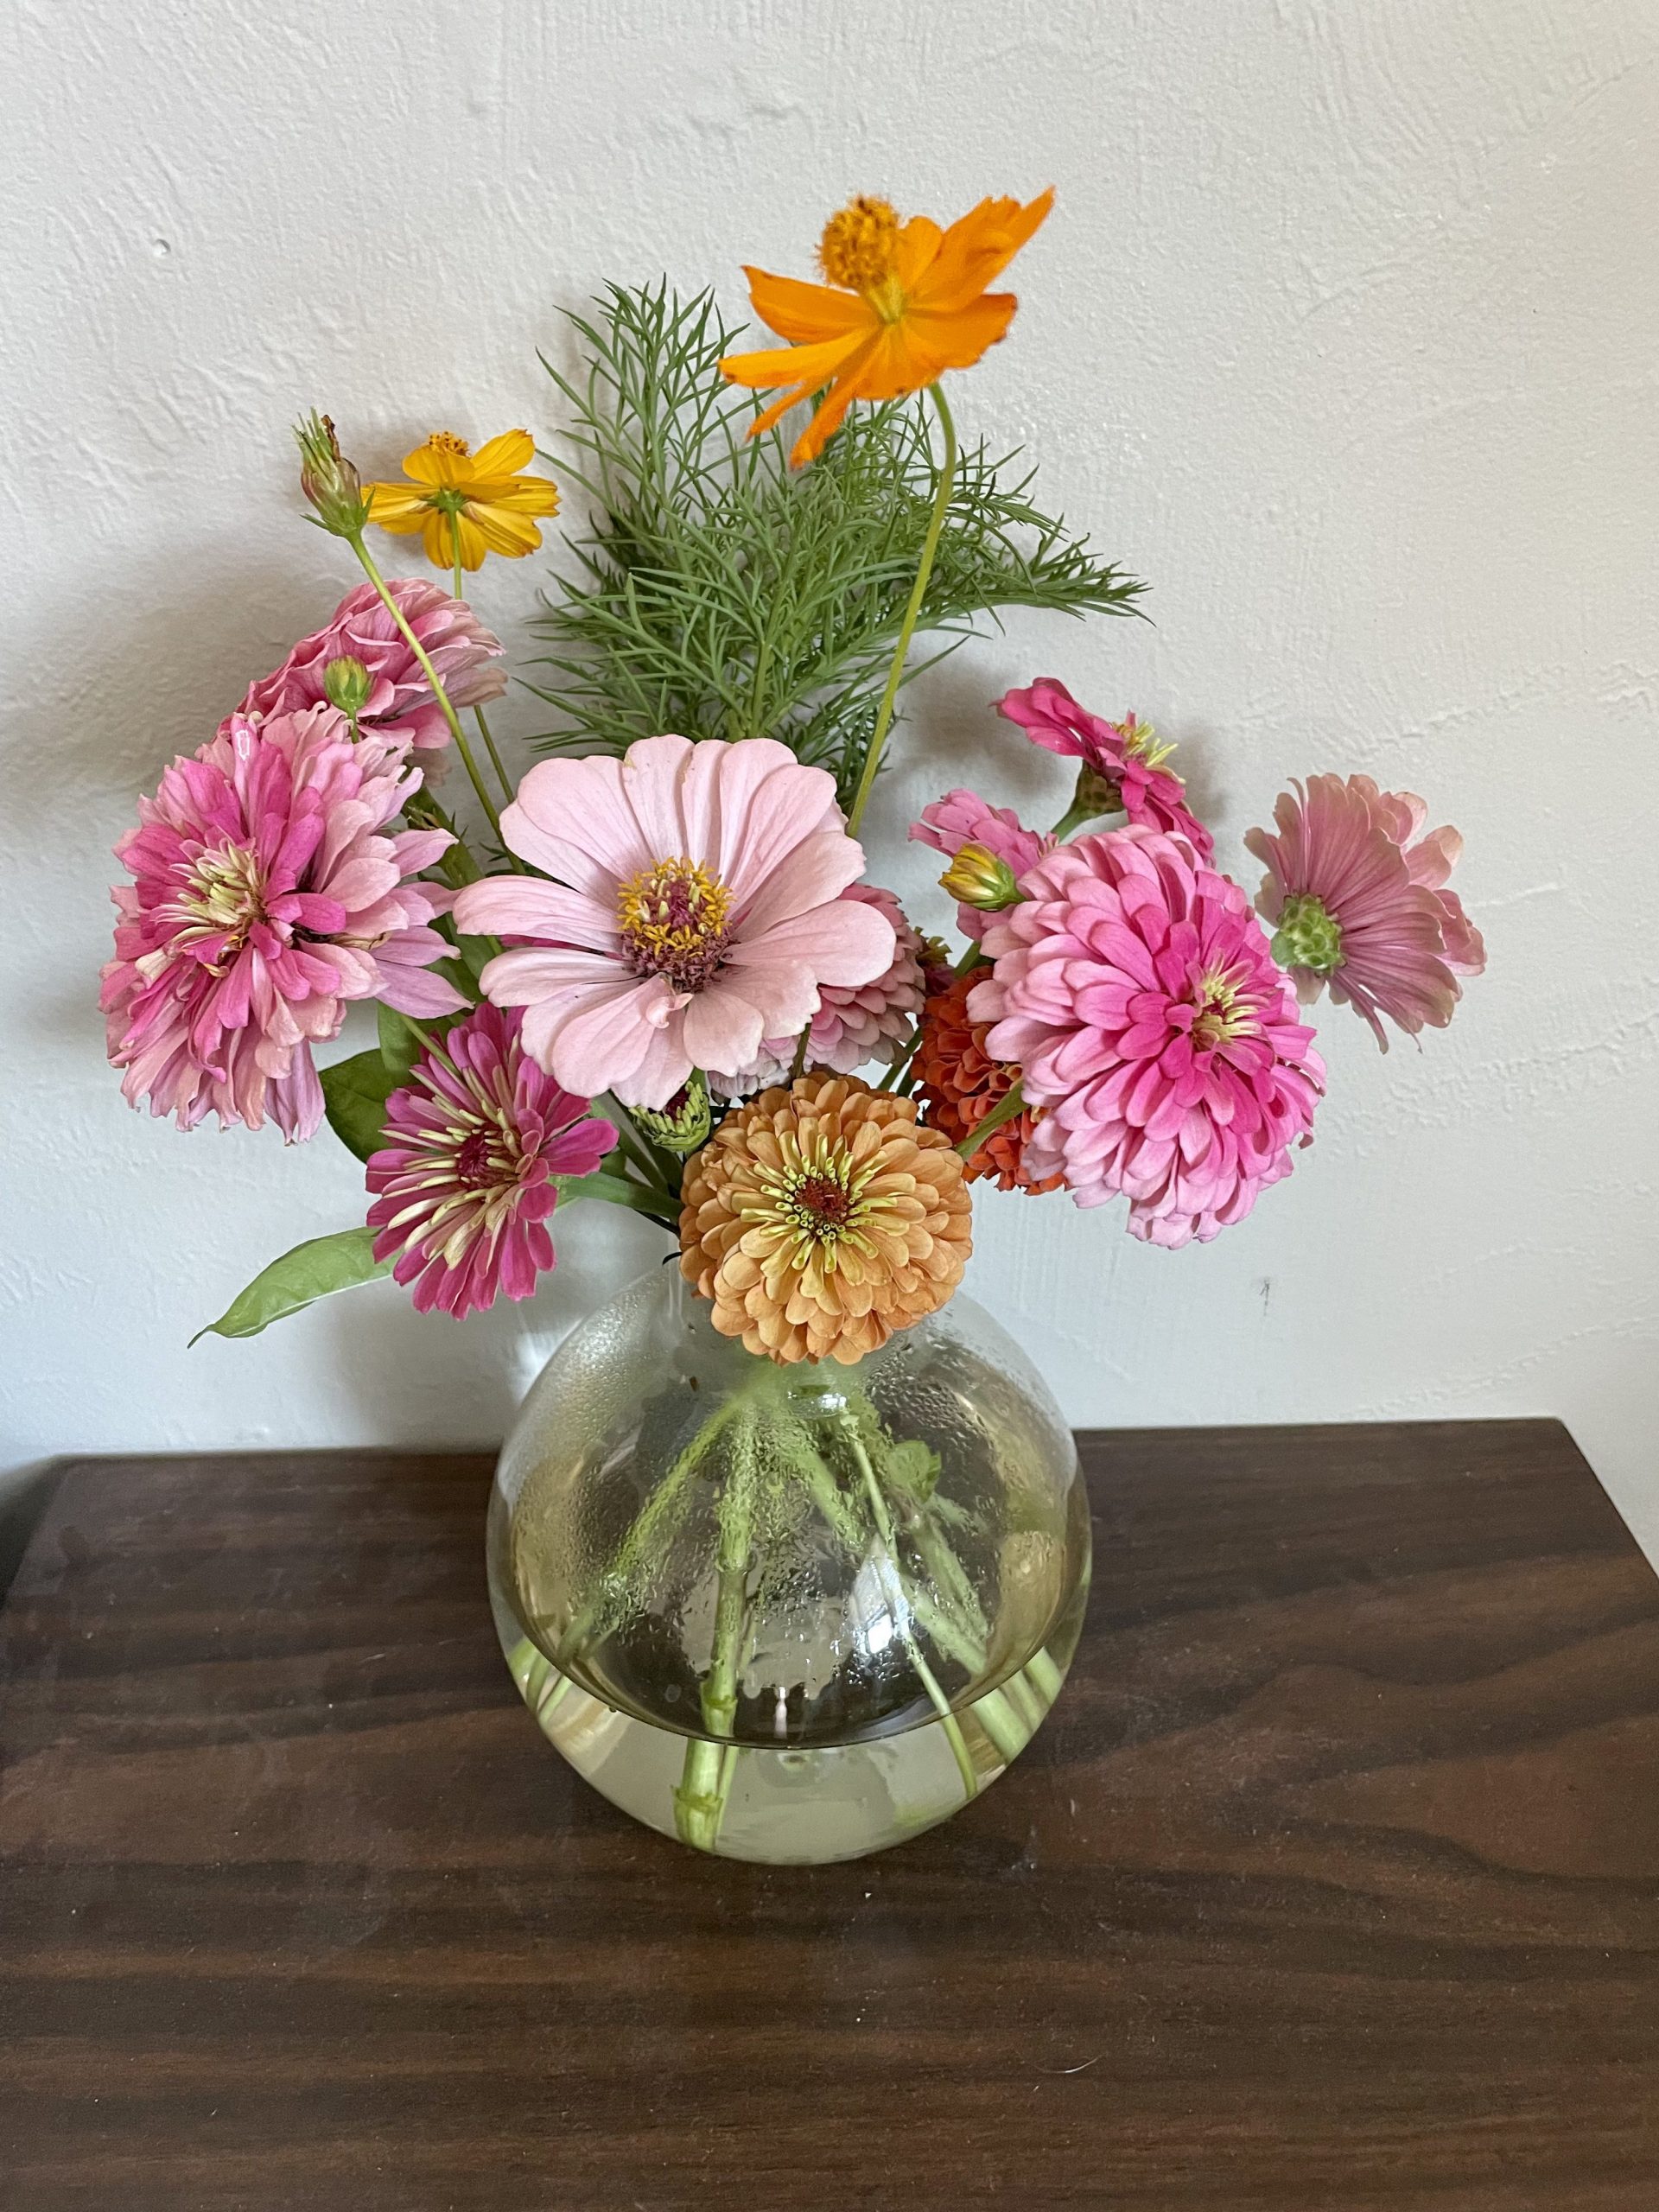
(263, 901)
(1135, 989)
(399, 706)
(1124, 758)
(464, 1190)
(1359, 905)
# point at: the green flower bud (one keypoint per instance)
(347, 684)
(684, 1123)
(977, 878)
(328, 480)
(1309, 936)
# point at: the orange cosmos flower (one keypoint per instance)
(904, 302)
(465, 504)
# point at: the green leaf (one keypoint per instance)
(310, 1271)
(354, 1095)
(617, 1190)
(914, 1467)
(716, 591)
(400, 1047)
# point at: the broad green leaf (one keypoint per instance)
(310, 1271)
(615, 1190)
(399, 1046)
(354, 1095)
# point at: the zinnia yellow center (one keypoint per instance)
(856, 251)
(1221, 1014)
(672, 918)
(222, 896)
(815, 1199)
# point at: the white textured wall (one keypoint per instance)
(1344, 333)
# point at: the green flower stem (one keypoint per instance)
(638, 1147)
(941, 490)
(655, 1517)
(888, 1566)
(355, 541)
(1074, 817)
(502, 777)
(706, 1779)
(1012, 1102)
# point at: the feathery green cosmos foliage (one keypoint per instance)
(720, 594)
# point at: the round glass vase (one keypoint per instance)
(791, 1614)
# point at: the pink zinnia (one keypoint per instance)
(695, 910)
(857, 1024)
(1135, 989)
(1122, 754)
(479, 1140)
(263, 901)
(400, 706)
(962, 817)
(1359, 905)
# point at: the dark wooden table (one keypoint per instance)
(1330, 1887)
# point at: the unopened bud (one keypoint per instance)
(684, 1124)
(328, 480)
(346, 684)
(976, 878)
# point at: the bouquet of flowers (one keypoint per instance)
(652, 973)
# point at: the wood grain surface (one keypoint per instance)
(1330, 1886)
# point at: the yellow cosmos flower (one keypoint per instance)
(903, 302)
(465, 504)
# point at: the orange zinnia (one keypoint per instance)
(904, 302)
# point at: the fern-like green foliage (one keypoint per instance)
(722, 594)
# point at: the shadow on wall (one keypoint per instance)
(425, 1378)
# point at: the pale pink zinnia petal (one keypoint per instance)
(1356, 906)
(700, 877)
(855, 1023)
(1134, 987)
(265, 898)
(463, 1190)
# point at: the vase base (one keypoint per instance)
(801, 1806)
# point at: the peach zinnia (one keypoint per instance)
(905, 302)
(820, 1218)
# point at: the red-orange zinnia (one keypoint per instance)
(904, 302)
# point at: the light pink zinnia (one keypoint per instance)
(1122, 754)
(869, 1021)
(962, 817)
(400, 706)
(695, 910)
(1135, 989)
(1359, 905)
(263, 901)
(464, 1190)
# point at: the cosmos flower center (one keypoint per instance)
(222, 896)
(673, 918)
(1223, 1013)
(856, 251)
(446, 441)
